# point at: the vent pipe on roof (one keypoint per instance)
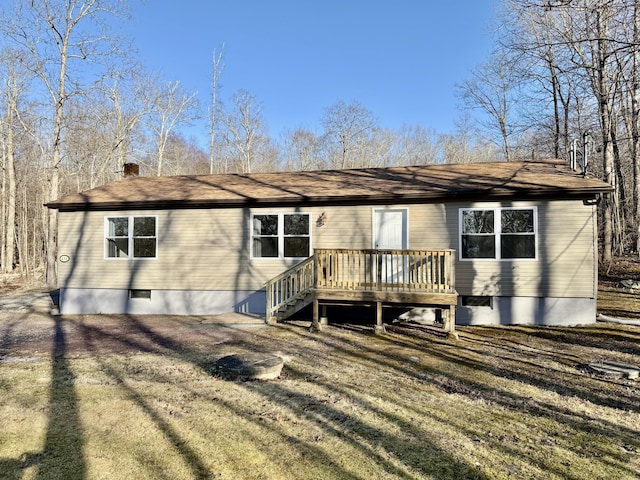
(131, 170)
(573, 153)
(581, 156)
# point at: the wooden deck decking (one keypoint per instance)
(409, 278)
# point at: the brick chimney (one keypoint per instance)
(131, 170)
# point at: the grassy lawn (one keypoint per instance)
(501, 403)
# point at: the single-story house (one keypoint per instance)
(501, 243)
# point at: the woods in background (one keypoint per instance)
(76, 107)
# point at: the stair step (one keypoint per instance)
(293, 307)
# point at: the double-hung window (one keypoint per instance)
(130, 237)
(498, 233)
(280, 235)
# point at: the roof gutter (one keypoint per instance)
(588, 196)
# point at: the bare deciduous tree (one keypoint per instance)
(60, 35)
(584, 56)
(217, 69)
(171, 107)
(245, 133)
(347, 129)
(416, 145)
(302, 151)
(127, 101)
(493, 88)
(15, 83)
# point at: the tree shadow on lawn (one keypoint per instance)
(64, 431)
(470, 355)
(470, 359)
(550, 367)
(351, 430)
(600, 336)
(62, 453)
(424, 456)
(197, 466)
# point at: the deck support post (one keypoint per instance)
(379, 327)
(450, 323)
(324, 320)
(315, 324)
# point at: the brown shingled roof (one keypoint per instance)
(427, 183)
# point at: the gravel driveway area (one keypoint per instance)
(30, 326)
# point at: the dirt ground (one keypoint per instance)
(28, 327)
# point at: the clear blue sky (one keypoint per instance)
(400, 59)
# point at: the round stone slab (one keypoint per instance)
(253, 366)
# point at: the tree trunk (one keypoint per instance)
(635, 120)
(10, 226)
(52, 232)
(609, 203)
(3, 212)
(556, 112)
(602, 91)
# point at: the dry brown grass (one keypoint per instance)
(501, 403)
(619, 304)
(614, 301)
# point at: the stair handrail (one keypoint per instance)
(285, 289)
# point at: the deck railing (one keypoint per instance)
(291, 285)
(368, 270)
(399, 270)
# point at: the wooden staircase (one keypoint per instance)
(369, 277)
(291, 291)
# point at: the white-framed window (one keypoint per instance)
(506, 233)
(130, 237)
(280, 235)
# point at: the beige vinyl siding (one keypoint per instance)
(208, 249)
(564, 267)
(198, 249)
(352, 227)
(345, 227)
(429, 228)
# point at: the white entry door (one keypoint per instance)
(390, 233)
(390, 229)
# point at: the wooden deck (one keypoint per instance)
(412, 278)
